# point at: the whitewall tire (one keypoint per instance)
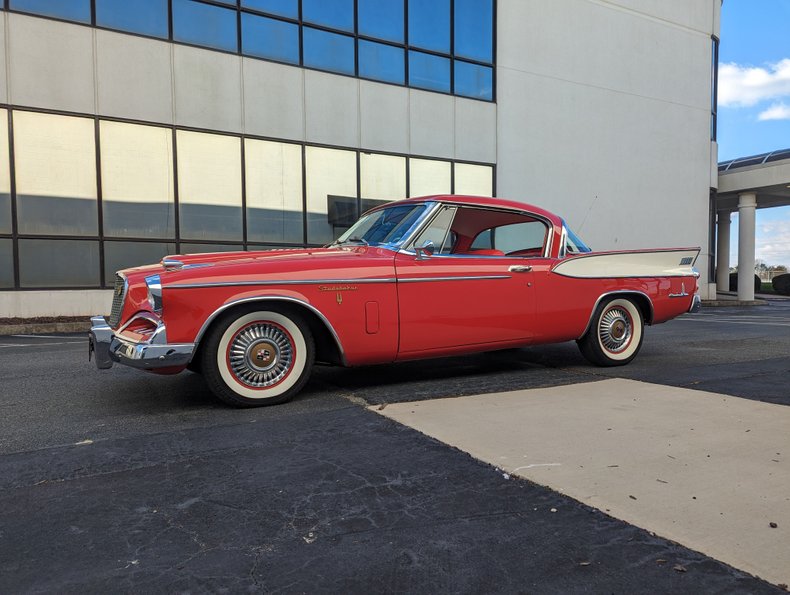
(615, 333)
(258, 357)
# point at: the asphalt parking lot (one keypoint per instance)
(122, 481)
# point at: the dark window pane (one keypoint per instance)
(6, 263)
(124, 255)
(338, 14)
(71, 10)
(148, 17)
(203, 24)
(58, 263)
(429, 72)
(286, 8)
(381, 62)
(381, 18)
(429, 24)
(328, 51)
(269, 38)
(475, 81)
(474, 29)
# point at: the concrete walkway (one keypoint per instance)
(708, 471)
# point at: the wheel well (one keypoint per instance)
(640, 299)
(326, 345)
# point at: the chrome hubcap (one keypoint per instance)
(260, 355)
(615, 330)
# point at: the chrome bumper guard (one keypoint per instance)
(110, 348)
(696, 303)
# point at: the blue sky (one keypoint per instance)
(754, 103)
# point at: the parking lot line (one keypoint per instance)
(708, 471)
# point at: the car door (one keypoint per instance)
(465, 294)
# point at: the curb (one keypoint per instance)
(42, 328)
(726, 303)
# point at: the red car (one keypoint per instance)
(417, 278)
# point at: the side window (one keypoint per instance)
(439, 232)
(520, 237)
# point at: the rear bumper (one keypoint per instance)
(110, 348)
(696, 303)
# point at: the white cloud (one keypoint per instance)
(745, 86)
(773, 242)
(778, 111)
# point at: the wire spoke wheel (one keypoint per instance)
(615, 329)
(261, 354)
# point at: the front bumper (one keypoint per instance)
(110, 348)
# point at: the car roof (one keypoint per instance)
(485, 201)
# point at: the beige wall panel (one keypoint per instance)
(51, 64)
(135, 78)
(273, 99)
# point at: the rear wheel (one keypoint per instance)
(615, 334)
(253, 357)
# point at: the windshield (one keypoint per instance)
(385, 226)
(573, 244)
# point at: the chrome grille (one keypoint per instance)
(118, 297)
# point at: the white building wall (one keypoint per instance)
(604, 117)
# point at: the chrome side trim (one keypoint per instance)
(270, 298)
(296, 282)
(611, 293)
(470, 278)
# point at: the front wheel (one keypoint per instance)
(615, 334)
(253, 358)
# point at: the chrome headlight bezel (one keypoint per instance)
(154, 285)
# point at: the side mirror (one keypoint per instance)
(426, 250)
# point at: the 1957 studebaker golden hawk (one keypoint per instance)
(416, 278)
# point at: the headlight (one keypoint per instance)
(154, 283)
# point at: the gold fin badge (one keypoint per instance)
(339, 298)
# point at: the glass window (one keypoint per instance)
(55, 165)
(58, 263)
(137, 180)
(438, 232)
(269, 38)
(204, 24)
(520, 237)
(382, 177)
(285, 8)
(5, 176)
(6, 263)
(338, 14)
(328, 51)
(381, 18)
(429, 176)
(474, 29)
(429, 24)
(474, 180)
(148, 17)
(124, 255)
(209, 186)
(429, 72)
(472, 80)
(274, 191)
(203, 248)
(381, 62)
(72, 10)
(330, 173)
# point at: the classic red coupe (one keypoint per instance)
(416, 278)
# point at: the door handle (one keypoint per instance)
(518, 268)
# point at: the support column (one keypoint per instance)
(723, 251)
(747, 202)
